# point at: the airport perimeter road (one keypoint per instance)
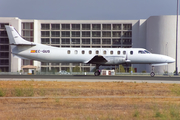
(91, 78)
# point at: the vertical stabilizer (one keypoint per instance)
(14, 37)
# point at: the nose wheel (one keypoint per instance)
(152, 73)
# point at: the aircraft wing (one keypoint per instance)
(98, 59)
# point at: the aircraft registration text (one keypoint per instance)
(40, 51)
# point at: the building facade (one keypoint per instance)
(152, 34)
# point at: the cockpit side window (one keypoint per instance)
(141, 52)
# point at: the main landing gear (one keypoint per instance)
(152, 73)
(97, 72)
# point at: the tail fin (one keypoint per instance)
(15, 38)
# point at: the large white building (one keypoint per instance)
(157, 34)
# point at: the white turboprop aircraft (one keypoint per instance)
(99, 56)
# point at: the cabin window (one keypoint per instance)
(75, 52)
(131, 52)
(68, 52)
(124, 52)
(104, 52)
(83, 52)
(111, 52)
(97, 51)
(90, 52)
(118, 52)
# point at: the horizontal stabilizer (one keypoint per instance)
(23, 44)
(159, 64)
(16, 56)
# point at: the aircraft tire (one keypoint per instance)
(152, 74)
(97, 73)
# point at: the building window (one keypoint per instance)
(4, 69)
(106, 41)
(104, 52)
(65, 26)
(127, 26)
(96, 41)
(85, 41)
(4, 41)
(55, 26)
(127, 41)
(106, 26)
(55, 41)
(118, 52)
(75, 26)
(86, 27)
(116, 34)
(2, 25)
(3, 33)
(45, 34)
(55, 34)
(45, 40)
(27, 26)
(96, 34)
(127, 34)
(75, 41)
(90, 52)
(65, 34)
(27, 33)
(86, 34)
(4, 47)
(75, 34)
(45, 26)
(116, 26)
(96, 26)
(4, 55)
(116, 41)
(106, 34)
(65, 41)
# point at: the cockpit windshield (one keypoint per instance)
(143, 52)
(147, 51)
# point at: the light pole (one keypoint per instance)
(177, 36)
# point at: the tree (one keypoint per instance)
(131, 69)
(76, 69)
(122, 70)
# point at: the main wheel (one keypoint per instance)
(152, 74)
(97, 73)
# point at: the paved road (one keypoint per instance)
(91, 78)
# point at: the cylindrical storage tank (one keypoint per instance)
(161, 39)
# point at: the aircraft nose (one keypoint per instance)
(170, 60)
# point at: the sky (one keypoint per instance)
(86, 9)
